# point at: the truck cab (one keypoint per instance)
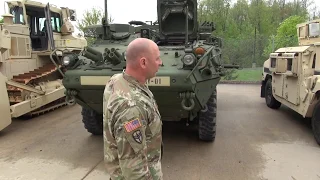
(33, 18)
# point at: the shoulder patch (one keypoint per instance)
(137, 136)
(132, 125)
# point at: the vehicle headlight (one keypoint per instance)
(69, 60)
(66, 60)
(188, 59)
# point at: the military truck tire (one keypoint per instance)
(92, 121)
(315, 120)
(207, 120)
(270, 100)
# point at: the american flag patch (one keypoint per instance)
(132, 125)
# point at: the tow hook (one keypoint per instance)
(205, 109)
(70, 100)
(187, 99)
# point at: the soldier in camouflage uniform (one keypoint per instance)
(131, 120)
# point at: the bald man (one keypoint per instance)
(131, 119)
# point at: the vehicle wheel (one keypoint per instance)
(207, 120)
(316, 122)
(270, 100)
(93, 122)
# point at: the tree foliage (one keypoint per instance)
(91, 17)
(253, 28)
(1, 20)
(250, 29)
(286, 34)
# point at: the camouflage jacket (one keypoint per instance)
(132, 130)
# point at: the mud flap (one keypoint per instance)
(5, 119)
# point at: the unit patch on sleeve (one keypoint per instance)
(132, 125)
(137, 136)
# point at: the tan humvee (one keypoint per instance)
(33, 39)
(291, 76)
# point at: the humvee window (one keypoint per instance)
(273, 62)
(302, 32)
(289, 64)
(314, 29)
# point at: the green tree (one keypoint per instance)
(91, 17)
(286, 34)
(1, 20)
(246, 25)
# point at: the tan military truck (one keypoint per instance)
(33, 39)
(291, 76)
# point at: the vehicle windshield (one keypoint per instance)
(314, 29)
(36, 18)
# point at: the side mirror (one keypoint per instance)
(73, 16)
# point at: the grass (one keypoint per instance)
(248, 74)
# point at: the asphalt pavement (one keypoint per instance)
(252, 142)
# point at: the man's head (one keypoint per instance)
(143, 57)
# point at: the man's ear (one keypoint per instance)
(143, 62)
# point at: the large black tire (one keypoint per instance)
(270, 100)
(92, 121)
(208, 119)
(315, 121)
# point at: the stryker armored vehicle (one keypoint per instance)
(185, 85)
(291, 76)
(32, 38)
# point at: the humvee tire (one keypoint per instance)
(270, 100)
(315, 120)
(92, 121)
(208, 119)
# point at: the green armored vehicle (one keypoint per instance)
(185, 85)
